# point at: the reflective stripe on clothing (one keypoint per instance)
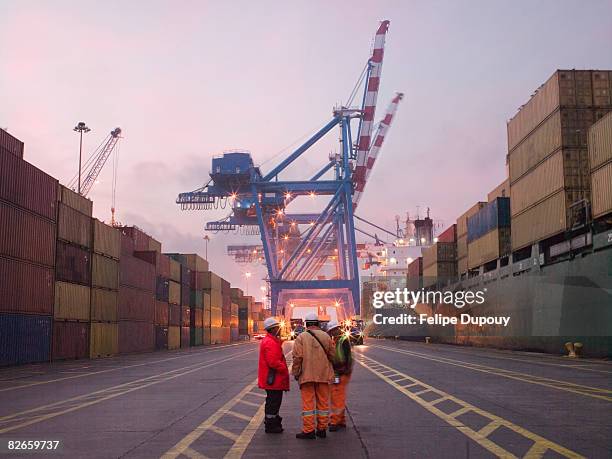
(338, 400)
(315, 403)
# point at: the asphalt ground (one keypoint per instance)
(405, 399)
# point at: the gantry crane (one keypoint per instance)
(296, 246)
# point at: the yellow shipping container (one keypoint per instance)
(462, 265)
(220, 335)
(539, 222)
(195, 262)
(174, 337)
(106, 240)
(500, 191)
(207, 310)
(104, 272)
(73, 226)
(174, 292)
(462, 246)
(212, 282)
(175, 270)
(216, 316)
(72, 301)
(75, 201)
(488, 247)
(600, 142)
(103, 340)
(104, 305)
(601, 193)
(155, 245)
(216, 298)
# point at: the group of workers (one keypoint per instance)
(322, 366)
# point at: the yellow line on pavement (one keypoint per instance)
(480, 437)
(580, 389)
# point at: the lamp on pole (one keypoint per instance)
(247, 275)
(81, 128)
(206, 240)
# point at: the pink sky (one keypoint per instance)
(187, 80)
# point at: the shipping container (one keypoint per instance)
(196, 336)
(104, 272)
(196, 299)
(197, 318)
(72, 302)
(174, 315)
(462, 220)
(495, 214)
(11, 144)
(27, 187)
(220, 335)
(462, 265)
(539, 222)
(160, 261)
(415, 268)
(75, 201)
(449, 234)
(216, 299)
(25, 287)
(135, 304)
(236, 293)
(193, 261)
(226, 317)
(462, 246)
(185, 338)
(142, 241)
(175, 271)
(206, 311)
(234, 336)
(489, 247)
(127, 245)
(174, 292)
(137, 273)
(440, 272)
(106, 240)
(600, 142)
(439, 252)
(73, 264)
(162, 313)
(161, 337)
(185, 316)
(185, 294)
(500, 191)
(26, 236)
(174, 337)
(206, 336)
(70, 340)
(24, 338)
(74, 227)
(216, 316)
(602, 191)
(135, 336)
(211, 281)
(162, 291)
(104, 304)
(103, 340)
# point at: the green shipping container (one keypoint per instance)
(196, 336)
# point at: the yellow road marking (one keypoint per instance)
(225, 433)
(244, 417)
(81, 401)
(82, 375)
(192, 454)
(243, 441)
(451, 419)
(246, 402)
(539, 380)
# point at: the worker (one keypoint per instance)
(273, 374)
(343, 367)
(313, 352)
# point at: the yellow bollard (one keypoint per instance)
(578, 349)
(570, 349)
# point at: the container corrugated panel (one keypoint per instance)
(415, 269)
(234, 335)
(216, 299)
(206, 336)
(73, 264)
(462, 220)
(104, 304)
(137, 273)
(462, 247)
(185, 338)
(185, 275)
(489, 247)
(196, 336)
(195, 300)
(127, 245)
(211, 281)
(216, 316)
(73, 226)
(544, 180)
(155, 245)
(174, 315)
(26, 236)
(441, 271)
(161, 313)
(162, 291)
(174, 337)
(185, 294)
(600, 142)
(70, 340)
(27, 186)
(601, 180)
(193, 261)
(142, 241)
(135, 304)
(135, 336)
(75, 201)
(161, 337)
(24, 338)
(25, 287)
(160, 261)
(236, 293)
(462, 265)
(174, 292)
(72, 302)
(106, 240)
(206, 316)
(103, 340)
(500, 191)
(234, 308)
(185, 316)
(225, 287)
(449, 234)
(175, 271)
(539, 222)
(11, 144)
(220, 335)
(104, 272)
(495, 214)
(441, 251)
(226, 317)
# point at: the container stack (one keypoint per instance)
(600, 161)
(197, 267)
(103, 332)
(185, 309)
(234, 334)
(245, 327)
(28, 216)
(462, 245)
(258, 317)
(439, 264)
(206, 318)
(174, 305)
(73, 280)
(488, 234)
(226, 308)
(212, 287)
(547, 154)
(415, 274)
(137, 283)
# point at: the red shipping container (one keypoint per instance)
(27, 186)
(185, 316)
(70, 340)
(11, 144)
(449, 234)
(197, 318)
(134, 304)
(185, 339)
(142, 241)
(174, 315)
(226, 317)
(225, 288)
(127, 245)
(161, 313)
(160, 261)
(415, 269)
(197, 279)
(185, 276)
(135, 336)
(25, 287)
(73, 264)
(26, 236)
(136, 273)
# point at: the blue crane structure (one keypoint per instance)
(296, 246)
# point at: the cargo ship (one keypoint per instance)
(541, 243)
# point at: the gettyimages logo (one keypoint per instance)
(410, 298)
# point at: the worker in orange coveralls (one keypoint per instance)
(313, 352)
(343, 367)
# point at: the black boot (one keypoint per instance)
(306, 435)
(321, 433)
(279, 422)
(336, 427)
(272, 426)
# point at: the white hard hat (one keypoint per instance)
(270, 322)
(332, 324)
(311, 317)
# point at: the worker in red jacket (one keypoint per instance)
(273, 375)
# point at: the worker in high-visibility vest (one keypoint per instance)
(343, 367)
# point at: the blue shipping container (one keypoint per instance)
(24, 338)
(495, 214)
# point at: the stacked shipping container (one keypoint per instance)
(462, 244)
(600, 162)
(488, 234)
(439, 263)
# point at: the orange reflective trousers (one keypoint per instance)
(338, 400)
(315, 403)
